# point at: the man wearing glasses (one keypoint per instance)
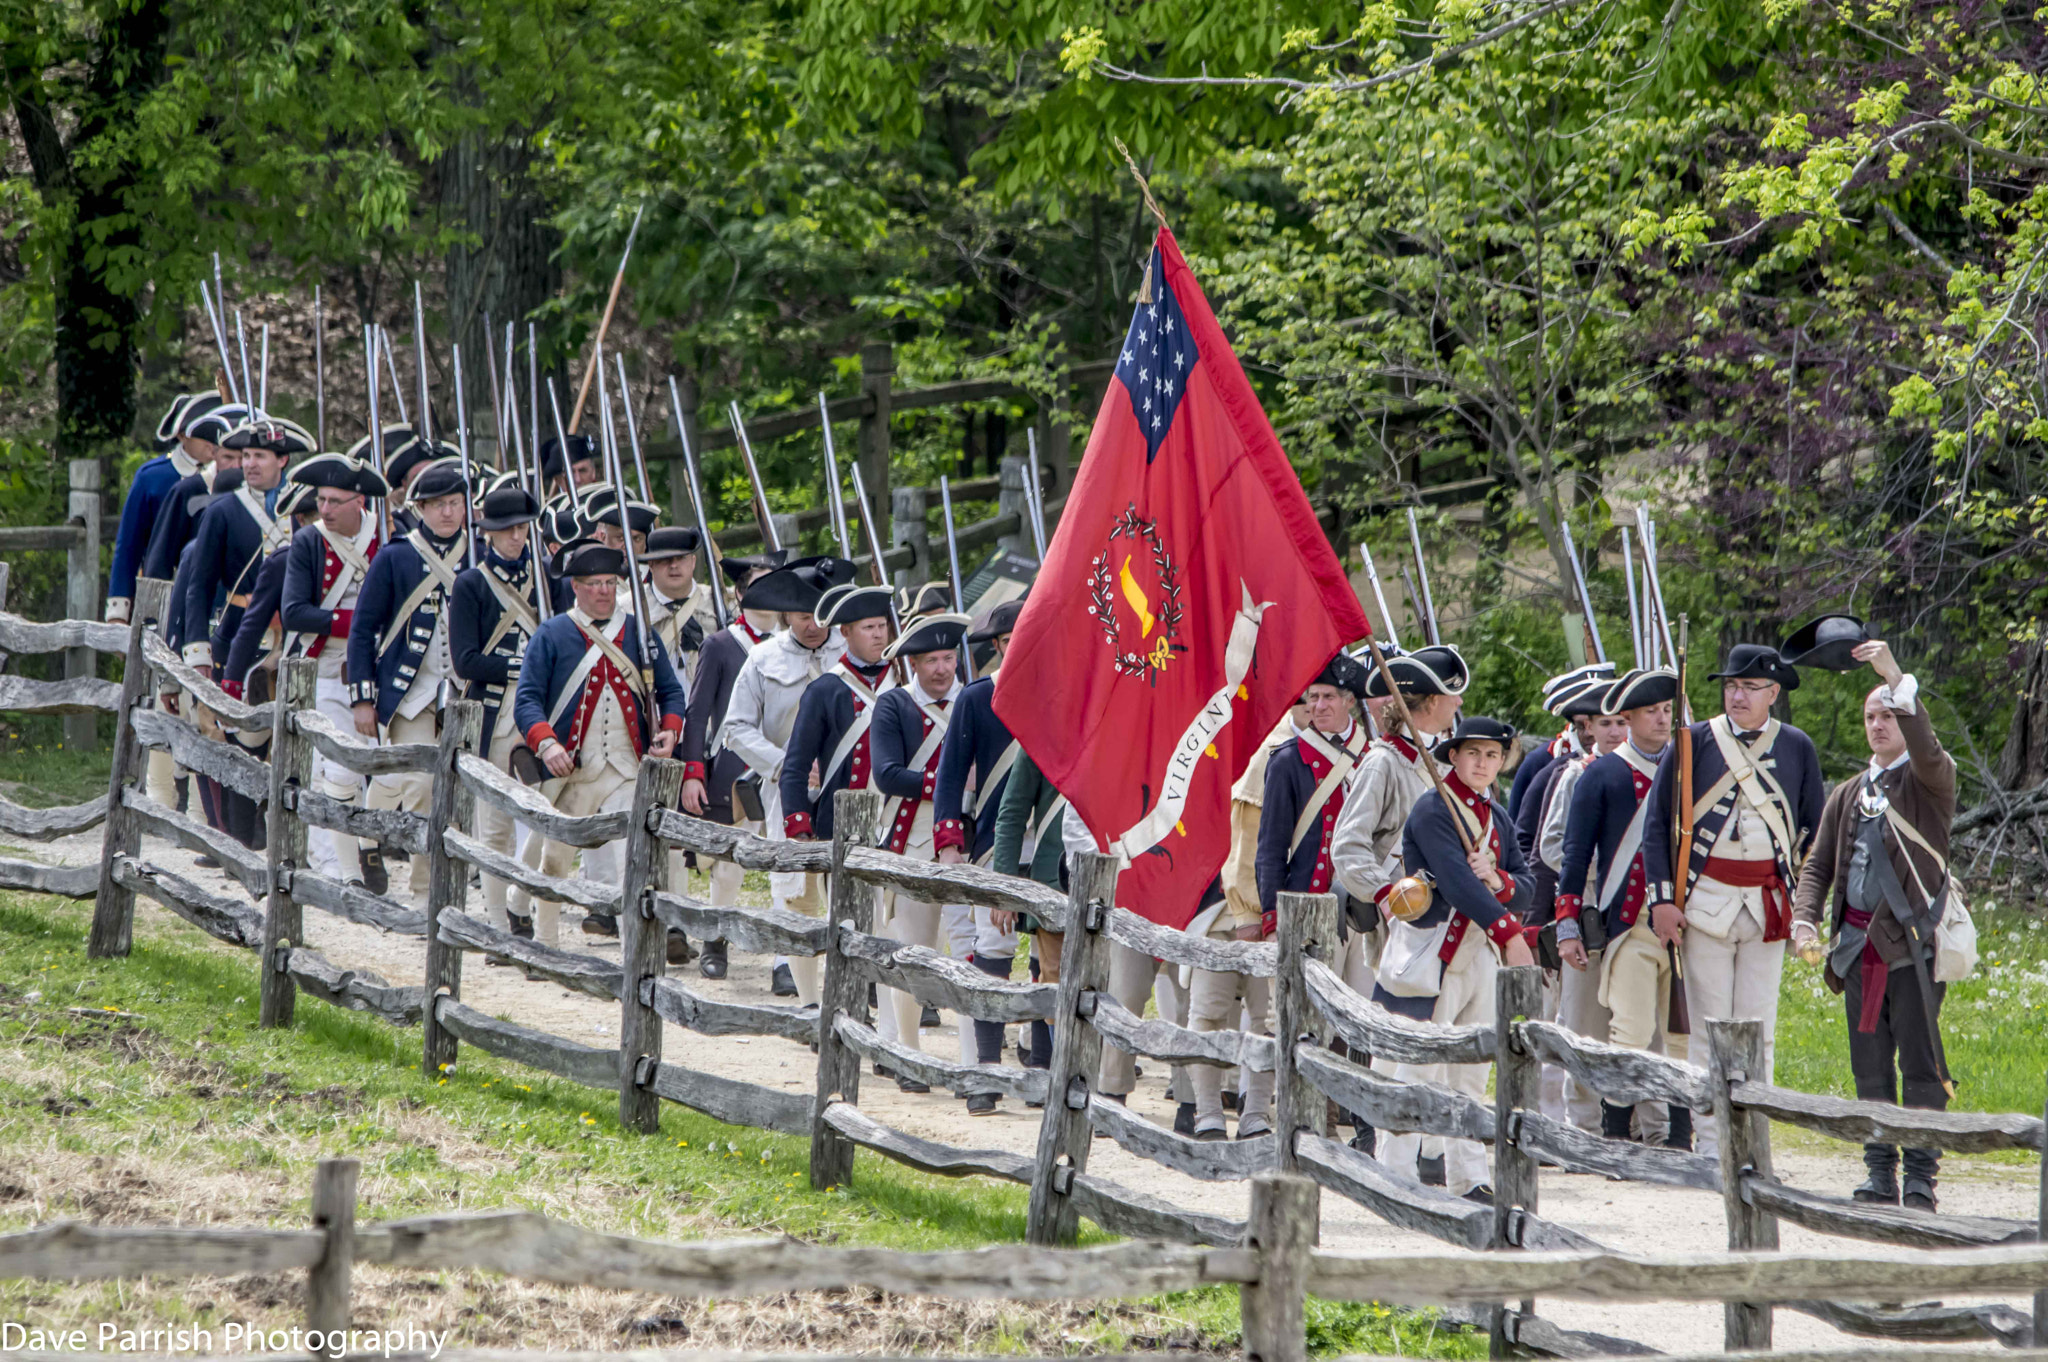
(1754, 804)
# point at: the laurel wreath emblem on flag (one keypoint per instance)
(1158, 625)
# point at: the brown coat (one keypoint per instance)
(1923, 791)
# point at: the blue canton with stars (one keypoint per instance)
(1157, 357)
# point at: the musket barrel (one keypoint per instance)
(1379, 595)
(704, 541)
(632, 429)
(1034, 495)
(761, 511)
(605, 323)
(834, 507)
(1571, 553)
(608, 440)
(1635, 616)
(319, 375)
(953, 560)
(419, 358)
(1425, 600)
(462, 450)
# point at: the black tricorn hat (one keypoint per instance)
(339, 470)
(582, 449)
(508, 504)
(273, 433)
(1435, 670)
(931, 598)
(1583, 697)
(215, 423)
(396, 437)
(670, 541)
(1640, 687)
(1757, 662)
(998, 621)
(296, 498)
(844, 603)
(589, 558)
(934, 633)
(794, 589)
(402, 460)
(1476, 728)
(739, 567)
(1577, 676)
(601, 507)
(442, 478)
(184, 408)
(1346, 673)
(1826, 642)
(558, 522)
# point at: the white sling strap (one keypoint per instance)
(1343, 761)
(1748, 780)
(861, 721)
(919, 759)
(993, 781)
(440, 577)
(1615, 875)
(515, 611)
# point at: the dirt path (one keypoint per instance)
(1634, 1217)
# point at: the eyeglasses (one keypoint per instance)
(1747, 687)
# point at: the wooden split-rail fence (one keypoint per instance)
(1313, 1007)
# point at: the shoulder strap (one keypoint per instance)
(854, 731)
(514, 610)
(993, 781)
(1342, 763)
(1748, 781)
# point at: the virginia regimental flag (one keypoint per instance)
(1187, 599)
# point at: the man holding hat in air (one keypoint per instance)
(591, 704)
(1753, 807)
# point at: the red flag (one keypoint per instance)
(1187, 600)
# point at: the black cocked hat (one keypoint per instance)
(1757, 662)
(1828, 643)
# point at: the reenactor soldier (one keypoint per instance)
(493, 615)
(1439, 966)
(236, 532)
(326, 566)
(593, 699)
(1577, 701)
(1572, 741)
(401, 666)
(1754, 805)
(600, 515)
(148, 492)
(678, 605)
(582, 469)
(707, 777)
(177, 519)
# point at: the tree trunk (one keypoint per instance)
(2024, 762)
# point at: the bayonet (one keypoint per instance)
(767, 521)
(397, 388)
(263, 372)
(835, 508)
(1592, 626)
(376, 432)
(633, 430)
(1379, 595)
(707, 548)
(1034, 495)
(220, 341)
(1635, 615)
(462, 450)
(419, 359)
(1425, 601)
(953, 560)
(319, 374)
(608, 440)
(1661, 621)
(242, 347)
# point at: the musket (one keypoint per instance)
(1414, 600)
(1034, 495)
(319, 375)
(833, 505)
(376, 431)
(704, 542)
(263, 372)
(1436, 777)
(419, 360)
(633, 430)
(1379, 595)
(867, 528)
(1425, 600)
(608, 439)
(497, 393)
(397, 388)
(604, 324)
(1592, 626)
(220, 342)
(1661, 620)
(953, 560)
(1679, 1015)
(561, 439)
(1635, 615)
(462, 449)
(242, 348)
(528, 483)
(767, 521)
(540, 481)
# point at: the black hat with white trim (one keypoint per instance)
(442, 478)
(932, 598)
(601, 507)
(273, 433)
(739, 567)
(589, 558)
(1757, 662)
(1828, 642)
(184, 408)
(791, 590)
(1435, 670)
(1639, 689)
(1346, 673)
(1577, 676)
(582, 449)
(402, 460)
(216, 423)
(1580, 699)
(296, 498)
(1476, 728)
(844, 604)
(508, 504)
(339, 471)
(670, 541)
(935, 633)
(1000, 620)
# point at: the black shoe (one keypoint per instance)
(1184, 1119)
(905, 1083)
(1430, 1170)
(600, 924)
(711, 960)
(1483, 1194)
(678, 948)
(1212, 1136)
(522, 927)
(982, 1104)
(1920, 1195)
(1679, 1136)
(884, 1071)
(1366, 1140)
(782, 983)
(1879, 1189)
(376, 876)
(1229, 1100)
(1254, 1127)
(1614, 1120)
(928, 1017)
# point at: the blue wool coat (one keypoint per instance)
(177, 520)
(824, 714)
(1791, 760)
(245, 649)
(148, 492)
(223, 563)
(473, 615)
(1292, 773)
(975, 741)
(900, 729)
(384, 678)
(1603, 805)
(1533, 765)
(552, 658)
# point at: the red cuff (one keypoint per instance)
(232, 688)
(539, 734)
(1568, 905)
(672, 723)
(1379, 895)
(951, 833)
(1505, 928)
(1269, 922)
(694, 770)
(1506, 892)
(796, 825)
(338, 626)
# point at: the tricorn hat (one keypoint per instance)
(739, 567)
(558, 522)
(295, 498)
(273, 433)
(939, 632)
(1475, 728)
(442, 478)
(582, 449)
(1827, 642)
(339, 470)
(184, 407)
(214, 424)
(1578, 698)
(1435, 670)
(998, 621)
(670, 541)
(508, 504)
(1592, 671)
(601, 507)
(589, 558)
(931, 598)
(1344, 672)
(401, 460)
(1640, 687)
(1757, 662)
(795, 589)
(844, 603)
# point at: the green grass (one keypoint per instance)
(214, 1117)
(1993, 1024)
(38, 770)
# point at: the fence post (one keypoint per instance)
(1736, 1055)
(82, 590)
(877, 366)
(448, 878)
(1010, 499)
(1517, 1087)
(1283, 1225)
(291, 770)
(643, 941)
(113, 913)
(334, 1215)
(856, 819)
(1064, 1134)
(1307, 926)
(909, 505)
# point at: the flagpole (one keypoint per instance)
(1436, 777)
